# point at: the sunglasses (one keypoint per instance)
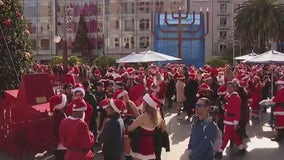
(198, 105)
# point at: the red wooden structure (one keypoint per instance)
(25, 125)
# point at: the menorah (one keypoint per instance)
(184, 31)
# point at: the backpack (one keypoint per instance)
(218, 139)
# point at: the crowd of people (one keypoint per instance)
(121, 108)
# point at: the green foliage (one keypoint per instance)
(104, 61)
(217, 62)
(259, 22)
(15, 48)
(72, 60)
(81, 42)
(56, 60)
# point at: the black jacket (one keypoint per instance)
(161, 139)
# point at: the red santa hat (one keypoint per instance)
(117, 105)
(204, 87)
(180, 77)
(103, 104)
(152, 101)
(207, 77)
(79, 88)
(280, 81)
(57, 102)
(118, 80)
(78, 104)
(97, 72)
(222, 90)
(119, 93)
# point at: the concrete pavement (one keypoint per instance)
(259, 145)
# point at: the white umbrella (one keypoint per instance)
(148, 56)
(271, 56)
(126, 58)
(247, 56)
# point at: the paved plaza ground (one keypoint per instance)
(259, 145)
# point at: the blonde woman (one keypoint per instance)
(147, 122)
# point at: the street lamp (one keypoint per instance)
(68, 19)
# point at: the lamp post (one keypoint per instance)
(68, 19)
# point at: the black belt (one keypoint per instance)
(279, 104)
(78, 150)
(229, 114)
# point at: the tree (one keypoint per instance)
(15, 48)
(259, 22)
(81, 43)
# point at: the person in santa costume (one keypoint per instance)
(278, 111)
(146, 123)
(57, 105)
(75, 135)
(130, 114)
(112, 136)
(231, 120)
(180, 84)
(79, 93)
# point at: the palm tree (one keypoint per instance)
(259, 22)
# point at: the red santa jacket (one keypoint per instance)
(232, 109)
(88, 112)
(77, 138)
(279, 100)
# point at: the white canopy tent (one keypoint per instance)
(271, 56)
(247, 56)
(147, 56)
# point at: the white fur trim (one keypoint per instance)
(280, 113)
(150, 101)
(78, 89)
(114, 106)
(83, 108)
(63, 102)
(280, 82)
(222, 93)
(141, 156)
(124, 92)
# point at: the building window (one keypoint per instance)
(223, 8)
(144, 42)
(32, 27)
(115, 8)
(222, 47)
(236, 8)
(144, 24)
(129, 25)
(144, 7)
(114, 24)
(223, 34)
(45, 44)
(100, 9)
(128, 42)
(159, 6)
(114, 42)
(223, 21)
(128, 7)
(100, 26)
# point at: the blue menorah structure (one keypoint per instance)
(181, 34)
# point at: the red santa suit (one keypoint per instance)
(75, 135)
(279, 109)
(231, 118)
